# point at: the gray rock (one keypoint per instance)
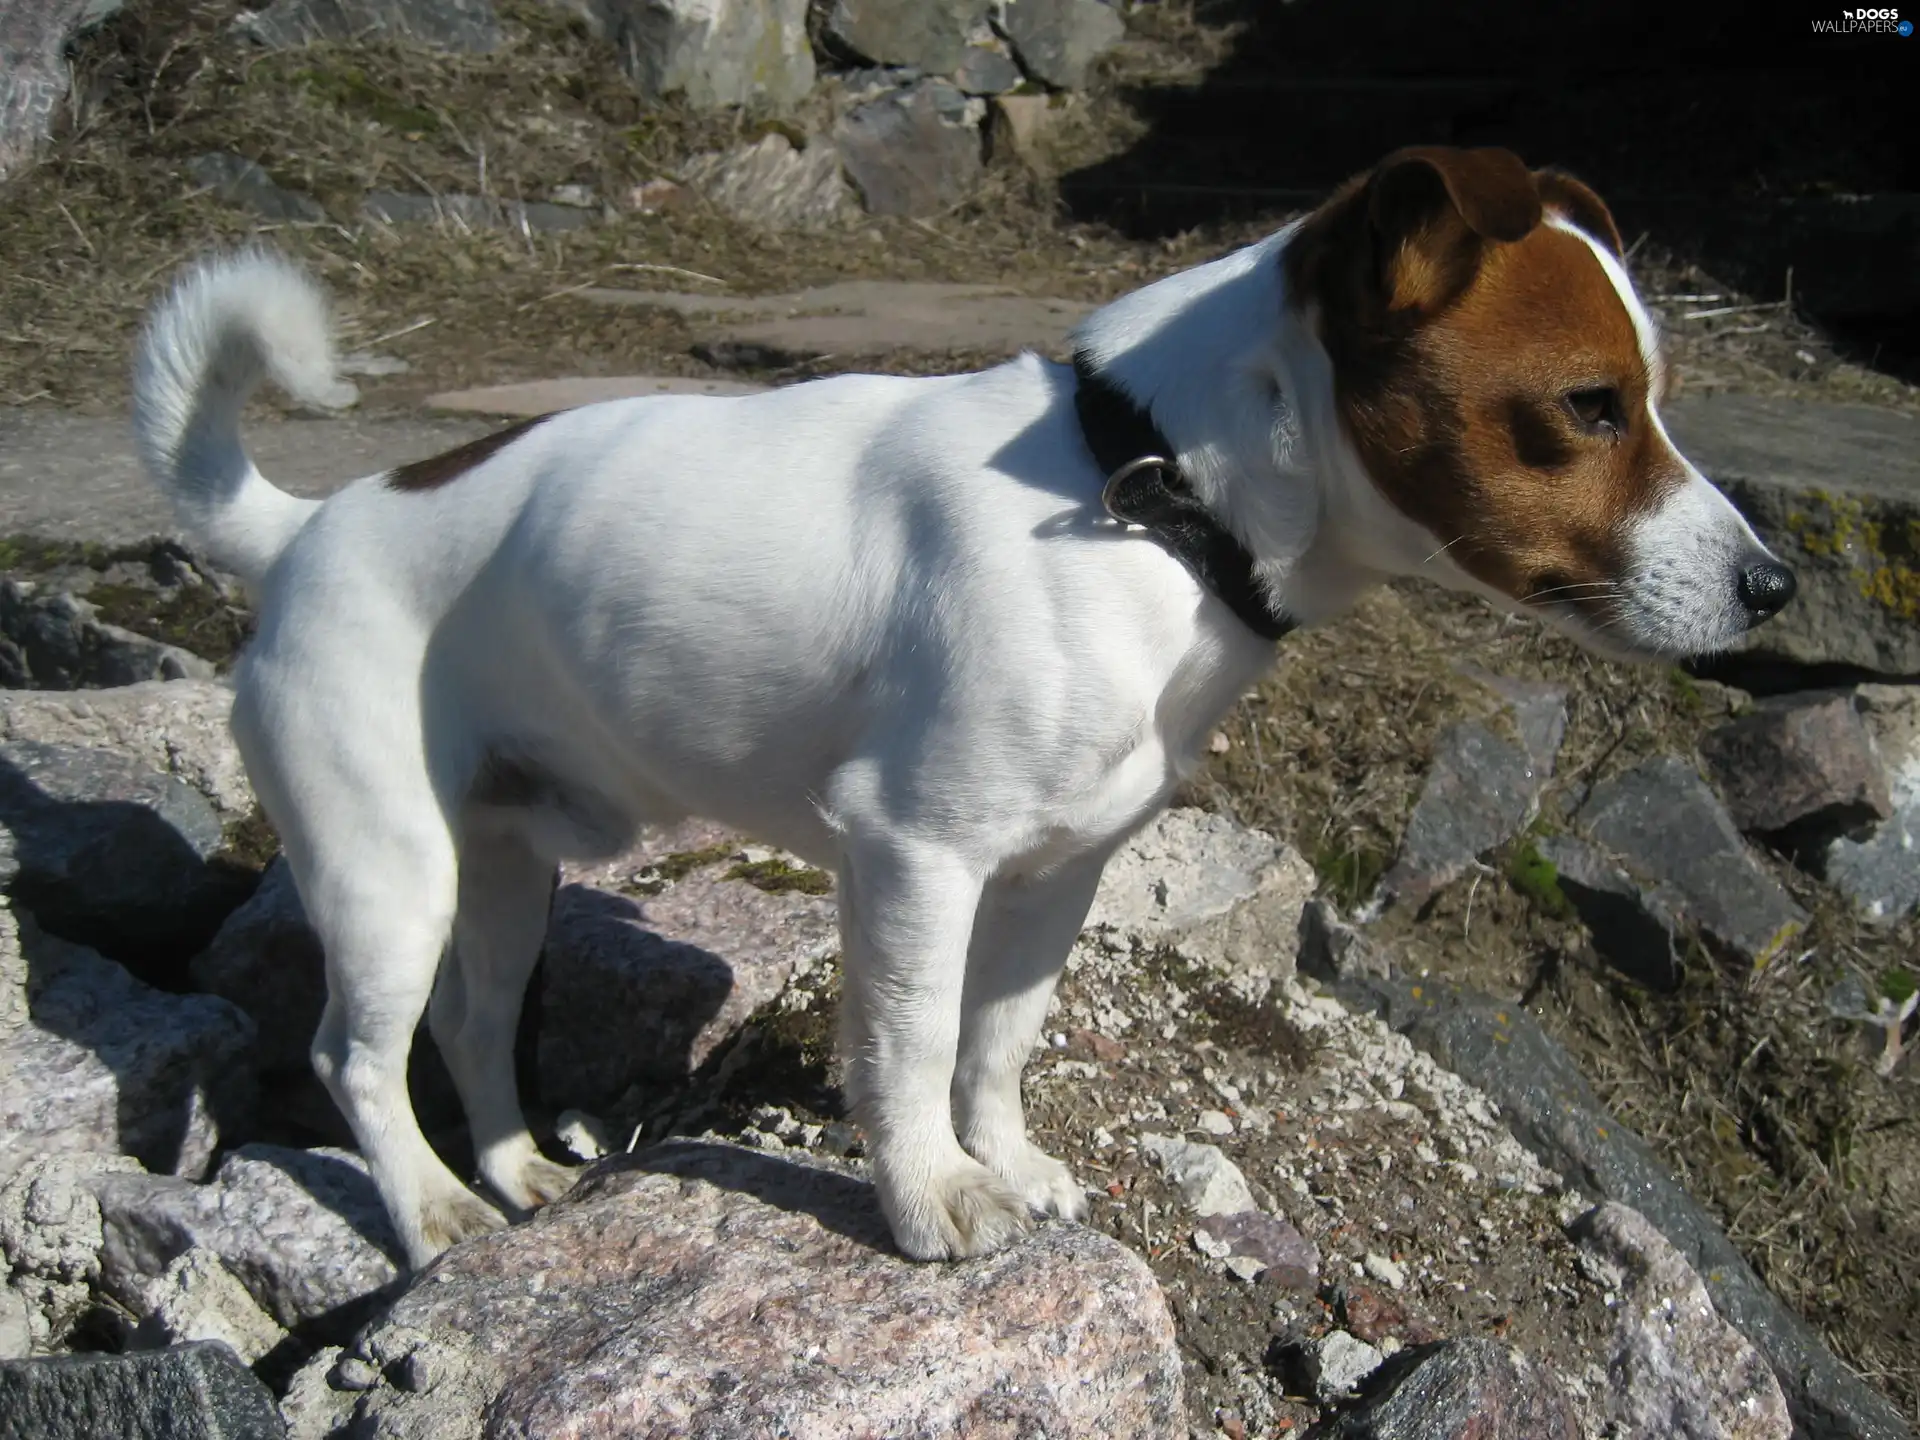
(470, 212)
(986, 70)
(109, 1066)
(1463, 1390)
(178, 728)
(1802, 763)
(1285, 1256)
(461, 25)
(912, 152)
(1224, 896)
(772, 1303)
(50, 1238)
(715, 53)
(266, 959)
(16, 1327)
(1661, 818)
(1337, 1362)
(1207, 1180)
(1635, 928)
(34, 75)
(1330, 949)
(312, 1407)
(190, 1392)
(1880, 872)
(1538, 713)
(112, 854)
(54, 639)
(239, 181)
(1057, 40)
(303, 1230)
(773, 185)
(1835, 489)
(929, 35)
(641, 988)
(1676, 1368)
(1481, 789)
(197, 1298)
(1552, 1110)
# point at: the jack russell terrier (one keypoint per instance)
(954, 639)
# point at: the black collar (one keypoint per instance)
(1146, 490)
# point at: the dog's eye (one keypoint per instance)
(1597, 410)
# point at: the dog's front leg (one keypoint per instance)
(1020, 942)
(906, 912)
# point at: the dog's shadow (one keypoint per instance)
(842, 1203)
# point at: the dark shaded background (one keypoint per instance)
(1737, 137)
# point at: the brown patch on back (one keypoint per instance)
(442, 469)
(1453, 356)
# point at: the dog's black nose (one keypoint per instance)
(1765, 589)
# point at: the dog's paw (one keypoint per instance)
(1046, 1184)
(964, 1211)
(543, 1181)
(449, 1218)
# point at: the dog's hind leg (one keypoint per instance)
(505, 893)
(1020, 942)
(374, 861)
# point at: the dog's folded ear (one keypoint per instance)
(1432, 210)
(1399, 243)
(1579, 207)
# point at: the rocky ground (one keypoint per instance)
(1586, 1109)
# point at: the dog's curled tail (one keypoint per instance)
(228, 323)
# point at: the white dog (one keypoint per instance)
(890, 625)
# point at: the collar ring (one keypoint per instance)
(1109, 493)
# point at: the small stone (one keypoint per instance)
(986, 69)
(912, 152)
(50, 1238)
(313, 1407)
(654, 197)
(196, 1298)
(1465, 1390)
(1057, 40)
(1018, 122)
(1370, 1315)
(584, 1135)
(1207, 1180)
(929, 35)
(1215, 1122)
(1386, 1271)
(1809, 766)
(1286, 1258)
(1480, 790)
(239, 181)
(1662, 819)
(1244, 1267)
(773, 184)
(1635, 928)
(354, 1375)
(580, 197)
(1332, 950)
(1337, 1363)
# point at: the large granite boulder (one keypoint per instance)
(715, 53)
(703, 1289)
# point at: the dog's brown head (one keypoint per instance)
(1499, 382)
